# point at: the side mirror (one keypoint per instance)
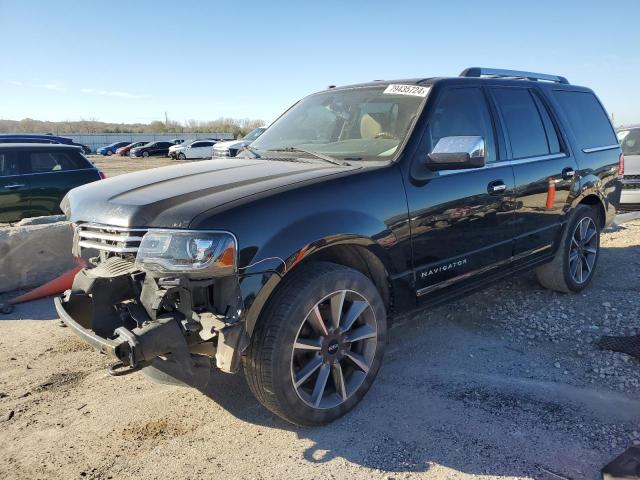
(456, 153)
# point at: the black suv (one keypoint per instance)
(357, 205)
(34, 178)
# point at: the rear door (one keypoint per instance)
(14, 188)
(461, 220)
(51, 174)
(544, 170)
(200, 150)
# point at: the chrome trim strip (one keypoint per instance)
(600, 149)
(507, 163)
(107, 247)
(52, 171)
(108, 236)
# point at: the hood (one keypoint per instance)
(171, 197)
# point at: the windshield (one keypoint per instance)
(352, 124)
(253, 134)
(630, 141)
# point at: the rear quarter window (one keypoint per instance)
(587, 119)
(54, 161)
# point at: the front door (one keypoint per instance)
(461, 220)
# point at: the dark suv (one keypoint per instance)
(34, 177)
(357, 205)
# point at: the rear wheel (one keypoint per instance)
(572, 268)
(318, 348)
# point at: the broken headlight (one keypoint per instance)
(210, 254)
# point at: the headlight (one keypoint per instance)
(210, 254)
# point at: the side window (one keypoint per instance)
(198, 144)
(522, 122)
(552, 134)
(42, 162)
(587, 119)
(463, 112)
(630, 141)
(9, 164)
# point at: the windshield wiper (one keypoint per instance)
(321, 156)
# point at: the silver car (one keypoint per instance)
(629, 139)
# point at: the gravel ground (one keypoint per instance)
(506, 383)
(117, 165)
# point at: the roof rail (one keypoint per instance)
(499, 73)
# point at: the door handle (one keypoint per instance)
(568, 173)
(496, 187)
(13, 185)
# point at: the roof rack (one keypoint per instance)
(499, 73)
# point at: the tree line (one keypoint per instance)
(239, 127)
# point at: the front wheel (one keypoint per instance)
(574, 263)
(145, 154)
(109, 153)
(182, 156)
(319, 345)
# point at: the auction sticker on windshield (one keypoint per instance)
(415, 90)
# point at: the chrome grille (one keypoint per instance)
(631, 182)
(107, 238)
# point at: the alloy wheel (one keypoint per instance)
(334, 349)
(584, 250)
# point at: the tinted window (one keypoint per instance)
(630, 141)
(522, 122)
(9, 164)
(587, 118)
(41, 162)
(552, 135)
(462, 112)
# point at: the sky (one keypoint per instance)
(132, 61)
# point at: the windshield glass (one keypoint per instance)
(352, 124)
(253, 134)
(630, 141)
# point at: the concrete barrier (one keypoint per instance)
(34, 251)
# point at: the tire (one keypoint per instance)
(347, 358)
(145, 154)
(109, 153)
(182, 156)
(567, 272)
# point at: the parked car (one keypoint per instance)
(34, 177)
(41, 138)
(193, 149)
(359, 204)
(111, 148)
(630, 141)
(151, 149)
(232, 147)
(124, 151)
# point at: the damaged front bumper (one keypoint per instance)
(141, 320)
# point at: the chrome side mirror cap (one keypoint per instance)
(459, 152)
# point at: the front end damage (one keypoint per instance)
(177, 325)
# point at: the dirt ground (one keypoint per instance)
(506, 383)
(117, 165)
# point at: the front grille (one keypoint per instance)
(631, 182)
(110, 239)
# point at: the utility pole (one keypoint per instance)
(166, 119)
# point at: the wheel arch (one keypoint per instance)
(360, 253)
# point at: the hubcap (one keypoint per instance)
(584, 250)
(334, 349)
